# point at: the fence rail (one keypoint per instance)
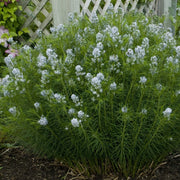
(39, 14)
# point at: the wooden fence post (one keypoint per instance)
(167, 8)
(61, 9)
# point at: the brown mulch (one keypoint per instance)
(17, 164)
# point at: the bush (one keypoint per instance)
(10, 24)
(177, 24)
(8, 17)
(102, 93)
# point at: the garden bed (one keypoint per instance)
(17, 164)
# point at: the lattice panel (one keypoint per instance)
(38, 16)
(101, 6)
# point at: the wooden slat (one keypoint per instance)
(96, 5)
(134, 4)
(43, 11)
(35, 13)
(106, 7)
(43, 25)
(86, 5)
(117, 5)
(24, 4)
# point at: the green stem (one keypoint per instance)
(112, 108)
(132, 84)
(52, 132)
(140, 100)
(105, 118)
(122, 143)
(148, 136)
(145, 148)
(66, 92)
(99, 115)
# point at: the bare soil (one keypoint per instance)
(17, 164)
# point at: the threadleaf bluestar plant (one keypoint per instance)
(103, 93)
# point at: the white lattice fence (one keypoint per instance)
(39, 14)
(101, 6)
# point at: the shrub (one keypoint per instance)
(10, 25)
(101, 93)
(8, 17)
(177, 25)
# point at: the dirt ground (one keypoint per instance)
(16, 164)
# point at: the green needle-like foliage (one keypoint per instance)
(101, 94)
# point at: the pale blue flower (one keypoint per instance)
(8, 61)
(51, 54)
(94, 18)
(115, 31)
(99, 37)
(124, 109)
(81, 114)
(145, 42)
(100, 45)
(71, 111)
(45, 93)
(70, 17)
(5, 81)
(75, 98)
(53, 29)
(113, 58)
(88, 76)
(130, 53)
(43, 121)
(113, 86)
(60, 98)
(159, 86)
(167, 113)
(60, 27)
(100, 76)
(178, 51)
(37, 105)
(144, 111)
(96, 52)
(177, 92)
(136, 33)
(78, 68)
(140, 52)
(44, 77)
(154, 60)
(16, 72)
(169, 39)
(143, 80)
(75, 122)
(26, 48)
(18, 75)
(42, 61)
(13, 111)
(96, 82)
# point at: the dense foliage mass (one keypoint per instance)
(8, 17)
(102, 93)
(10, 24)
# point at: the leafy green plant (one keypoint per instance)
(102, 93)
(177, 24)
(8, 17)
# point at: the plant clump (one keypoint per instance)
(101, 94)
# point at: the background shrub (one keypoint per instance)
(10, 25)
(101, 93)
